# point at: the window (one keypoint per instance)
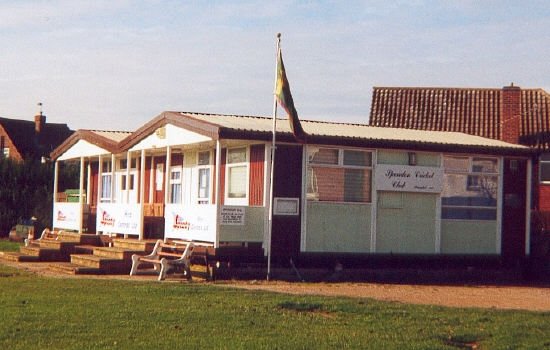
(175, 185)
(106, 178)
(237, 182)
(339, 175)
(544, 167)
(204, 170)
(470, 188)
(6, 152)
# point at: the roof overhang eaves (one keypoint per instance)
(86, 135)
(174, 118)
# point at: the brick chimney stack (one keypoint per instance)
(511, 114)
(39, 120)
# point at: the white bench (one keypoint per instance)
(46, 235)
(166, 256)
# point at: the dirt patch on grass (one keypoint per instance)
(532, 298)
(479, 296)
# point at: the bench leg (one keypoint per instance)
(135, 264)
(164, 266)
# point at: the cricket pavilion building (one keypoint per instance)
(350, 191)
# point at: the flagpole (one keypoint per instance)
(270, 221)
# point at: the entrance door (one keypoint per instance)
(286, 229)
(513, 209)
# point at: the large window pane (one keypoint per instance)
(325, 156)
(204, 183)
(485, 165)
(358, 158)
(237, 182)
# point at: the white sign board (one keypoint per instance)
(66, 215)
(119, 218)
(185, 221)
(233, 215)
(406, 178)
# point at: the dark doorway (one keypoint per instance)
(514, 210)
(286, 229)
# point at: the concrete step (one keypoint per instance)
(134, 244)
(116, 253)
(106, 265)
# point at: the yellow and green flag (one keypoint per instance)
(282, 92)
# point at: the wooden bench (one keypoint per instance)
(46, 235)
(166, 256)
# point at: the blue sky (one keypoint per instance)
(117, 64)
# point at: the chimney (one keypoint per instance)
(39, 120)
(510, 119)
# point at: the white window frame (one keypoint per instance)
(340, 165)
(547, 162)
(208, 198)
(106, 173)
(176, 169)
(468, 173)
(242, 200)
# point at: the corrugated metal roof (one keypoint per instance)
(116, 136)
(350, 131)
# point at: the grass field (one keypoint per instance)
(59, 313)
(8, 246)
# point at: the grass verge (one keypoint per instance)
(56, 313)
(9, 246)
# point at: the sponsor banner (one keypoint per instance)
(196, 222)
(406, 178)
(119, 218)
(66, 215)
(232, 215)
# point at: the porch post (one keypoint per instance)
(127, 184)
(142, 192)
(218, 192)
(80, 197)
(99, 188)
(113, 179)
(88, 182)
(55, 180)
(151, 182)
(167, 175)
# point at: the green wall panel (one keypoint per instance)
(468, 237)
(251, 231)
(337, 227)
(408, 229)
(402, 158)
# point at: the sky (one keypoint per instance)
(115, 64)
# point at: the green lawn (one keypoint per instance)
(8, 246)
(56, 313)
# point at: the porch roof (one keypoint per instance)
(104, 139)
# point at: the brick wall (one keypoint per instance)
(14, 154)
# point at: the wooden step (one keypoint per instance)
(134, 244)
(74, 269)
(106, 265)
(116, 253)
(30, 251)
(19, 257)
(84, 249)
(45, 254)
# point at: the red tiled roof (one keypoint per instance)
(473, 111)
(29, 144)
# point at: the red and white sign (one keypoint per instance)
(119, 218)
(196, 222)
(66, 215)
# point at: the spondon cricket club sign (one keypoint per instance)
(406, 178)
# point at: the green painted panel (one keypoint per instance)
(402, 158)
(190, 158)
(409, 229)
(468, 237)
(251, 231)
(338, 227)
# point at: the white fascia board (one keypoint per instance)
(82, 148)
(170, 136)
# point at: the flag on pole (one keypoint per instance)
(282, 92)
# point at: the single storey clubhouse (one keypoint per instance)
(349, 190)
